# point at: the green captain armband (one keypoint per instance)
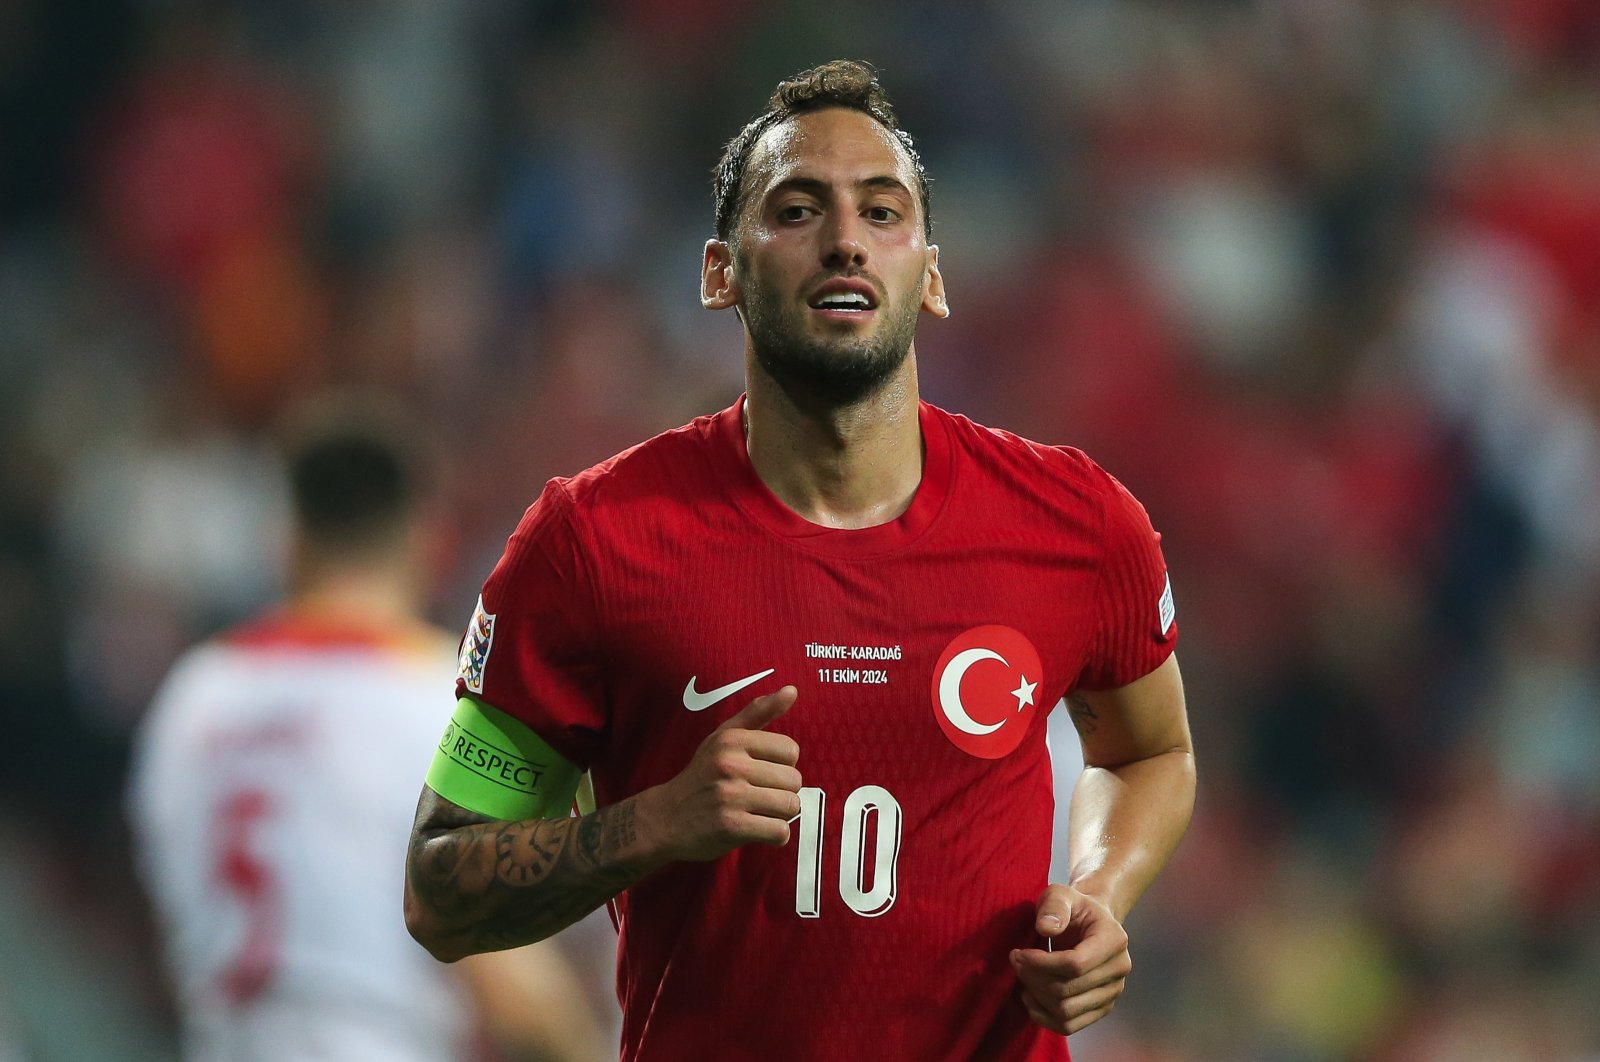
(495, 765)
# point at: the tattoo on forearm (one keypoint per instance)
(589, 838)
(495, 884)
(1083, 716)
(525, 857)
(620, 834)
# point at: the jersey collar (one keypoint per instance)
(756, 500)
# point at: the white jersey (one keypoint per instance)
(272, 799)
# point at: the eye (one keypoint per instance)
(882, 213)
(793, 212)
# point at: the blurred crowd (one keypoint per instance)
(1318, 279)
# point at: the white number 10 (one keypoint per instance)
(866, 804)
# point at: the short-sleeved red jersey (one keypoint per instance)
(643, 602)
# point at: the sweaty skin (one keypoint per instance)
(830, 197)
(1129, 810)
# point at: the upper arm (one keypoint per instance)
(1128, 701)
(1144, 718)
(533, 647)
(495, 765)
(1135, 622)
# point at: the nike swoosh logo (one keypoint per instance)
(699, 702)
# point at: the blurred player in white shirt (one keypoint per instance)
(272, 799)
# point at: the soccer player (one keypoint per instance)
(852, 864)
(272, 795)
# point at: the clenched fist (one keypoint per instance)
(1072, 988)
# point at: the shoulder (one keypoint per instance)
(1050, 472)
(199, 670)
(178, 710)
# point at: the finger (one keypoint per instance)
(1050, 990)
(1102, 941)
(770, 748)
(1069, 966)
(1044, 990)
(1055, 911)
(1043, 1017)
(1083, 1021)
(762, 711)
(781, 804)
(1061, 965)
(768, 774)
(1100, 999)
(1115, 969)
(1070, 1015)
(761, 829)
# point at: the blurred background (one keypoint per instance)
(1318, 279)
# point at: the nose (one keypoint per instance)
(842, 247)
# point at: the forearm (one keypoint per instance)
(474, 884)
(1125, 822)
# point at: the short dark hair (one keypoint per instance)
(354, 475)
(847, 83)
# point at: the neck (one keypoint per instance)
(850, 466)
(376, 594)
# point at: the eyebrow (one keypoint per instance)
(882, 182)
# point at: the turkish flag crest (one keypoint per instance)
(986, 690)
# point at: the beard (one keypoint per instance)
(838, 369)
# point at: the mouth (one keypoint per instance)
(844, 299)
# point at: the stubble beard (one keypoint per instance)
(838, 370)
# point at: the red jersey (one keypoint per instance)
(645, 601)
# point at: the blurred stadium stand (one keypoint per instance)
(1319, 279)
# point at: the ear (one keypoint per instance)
(933, 300)
(719, 288)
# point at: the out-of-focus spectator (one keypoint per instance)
(271, 796)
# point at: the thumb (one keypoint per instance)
(1055, 911)
(762, 711)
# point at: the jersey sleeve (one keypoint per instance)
(532, 647)
(1137, 626)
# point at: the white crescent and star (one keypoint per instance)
(1024, 691)
(950, 691)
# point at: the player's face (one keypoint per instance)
(829, 263)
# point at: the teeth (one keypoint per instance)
(846, 300)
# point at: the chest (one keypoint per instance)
(942, 658)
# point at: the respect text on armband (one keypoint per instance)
(488, 761)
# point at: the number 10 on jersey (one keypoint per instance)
(866, 872)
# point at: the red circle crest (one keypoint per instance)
(986, 690)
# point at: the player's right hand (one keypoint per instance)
(741, 786)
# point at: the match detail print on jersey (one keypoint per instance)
(844, 663)
(475, 647)
(696, 701)
(985, 690)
